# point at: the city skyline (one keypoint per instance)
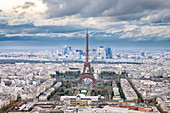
(141, 24)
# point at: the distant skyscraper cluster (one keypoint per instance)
(104, 53)
(100, 53)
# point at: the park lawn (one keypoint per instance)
(85, 93)
(73, 106)
(82, 106)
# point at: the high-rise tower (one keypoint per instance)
(108, 53)
(87, 64)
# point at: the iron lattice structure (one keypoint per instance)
(87, 64)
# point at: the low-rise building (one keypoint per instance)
(80, 99)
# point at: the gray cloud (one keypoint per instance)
(58, 8)
(108, 20)
(31, 29)
(27, 5)
(158, 16)
(121, 9)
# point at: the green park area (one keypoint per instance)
(85, 93)
(110, 75)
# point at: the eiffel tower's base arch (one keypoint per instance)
(90, 76)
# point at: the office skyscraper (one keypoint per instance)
(108, 53)
(66, 49)
(142, 53)
(101, 52)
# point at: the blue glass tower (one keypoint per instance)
(108, 53)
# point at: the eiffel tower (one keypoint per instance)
(87, 64)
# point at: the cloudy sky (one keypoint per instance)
(114, 23)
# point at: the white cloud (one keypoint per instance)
(146, 32)
(9, 4)
(22, 11)
(50, 35)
